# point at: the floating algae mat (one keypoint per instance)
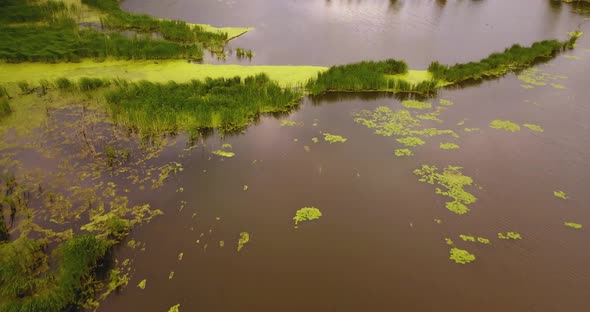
(451, 183)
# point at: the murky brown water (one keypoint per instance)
(376, 247)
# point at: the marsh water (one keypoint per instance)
(377, 246)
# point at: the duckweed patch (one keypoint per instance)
(534, 127)
(448, 146)
(467, 238)
(288, 123)
(315, 140)
(505, 125)
(333, 138)
(445, 102)
(533, 77)
(560, 194)
(509, 236)
(175, 308)
(573, 225)
(142, 284)
(403, 152)
(461, 256)
(411, 141)
(307, 214)
(452, 184)
(413, 104)
(243, 240)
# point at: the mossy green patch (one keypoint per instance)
(448, 146)
(403, 152)
(461, 256)
(307, 214)
(333, 138)
(505, 125)
(411, 141)
(534, 127)
(416, 104)
(560, 194)
(453, 182)
(573, 225)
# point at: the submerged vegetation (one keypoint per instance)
(453, 182)
(307, 214)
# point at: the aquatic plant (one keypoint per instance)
(510, 235)
(411, 141)
(448, 146)
(5, 108)
(445, 102)
(498, 64)
(573, 225)
(416, 104)
(467, 238)
(175, 308)
(245, 188)
(461, 256)
(223, 153)
(357, 76)
(448, 241)
(226, 104)
(534, 127)
(243, 240)
(288, 123)
(483, 240)
(505, 125)
(453, 182)
(307, 214)
(560, 194)
(403, 152)
(142, 284)
(315, 140)
(333, 138)
(471, 129)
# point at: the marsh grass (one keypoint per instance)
(361, 76)
(5, 108)
(498, 64)
(226, 104)
(177, 31)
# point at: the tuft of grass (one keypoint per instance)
(461, 256)
(5, 108)
(307, 214)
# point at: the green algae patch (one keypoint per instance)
(175, 308)
(573, 225)
(243, 240)
(452, 184)
(416, 104)
(534, 127)
(160, 71)
(142, 284)
(315, 140)
(445, 102)
(510, 236)
(333, 138)
(560, 194)
(448, 146)
(533, 77)
(471, 129)
(307, 214)
(467, 238)
(461, 256)
(403, 152)
(483, 240)
(505, 125)
(223, 153)
(449, 241)
(411, 141)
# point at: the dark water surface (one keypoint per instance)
(376, 247)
